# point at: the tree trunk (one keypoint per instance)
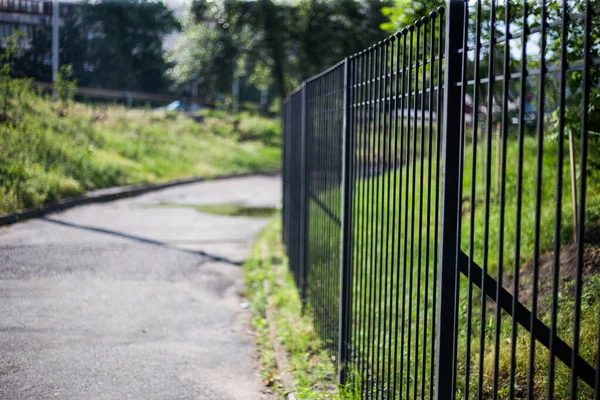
(274, 44)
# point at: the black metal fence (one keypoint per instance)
(442, 204)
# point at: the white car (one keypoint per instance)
(177, 105)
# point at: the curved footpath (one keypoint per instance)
(131, 299)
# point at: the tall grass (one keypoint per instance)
(49, 150)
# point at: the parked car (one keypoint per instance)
(178, 105)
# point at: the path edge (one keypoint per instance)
(113, 193)
(279, 352)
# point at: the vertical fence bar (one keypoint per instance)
(418, 142)
(583, 153)
(371, 273)
(386, 193)
(424, 376)
(368, 215)
(361, 134)
(284, 169)
(399, 138)
(406, 304)
(455, 22)
(559, 196)
(290, 173)
(473, 196)
(407, 210)
(382, 295)
(486, 198)
(438, 151)
(302, 265)
(538, 203)
(502, 143)
(394, 71)
(346, 247)
(519, 202)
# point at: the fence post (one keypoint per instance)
(346, 231)
(286, 171)
(303, 248)
(455, 23)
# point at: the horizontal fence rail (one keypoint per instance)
(442, 205)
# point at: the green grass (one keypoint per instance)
(381, 276)
(591, 303)
(49, 150)
(269, 281)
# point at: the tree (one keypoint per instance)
(575, 53)
(34, 62)
(275, 42)
(252, 38)
(204, 52)
(124, 46)
(332, 30)
(406, 12)
(109, 44)
(6, 71)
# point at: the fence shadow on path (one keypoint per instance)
(211, 257)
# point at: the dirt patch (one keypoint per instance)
(567, 270)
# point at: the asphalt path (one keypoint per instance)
(132, 299)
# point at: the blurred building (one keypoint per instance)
(26, 16)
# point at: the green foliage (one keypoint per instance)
(256, 128)
(406, 12)
(271, 43)
(49, 151)
(205, 52)
(32, 62)
(65, 84)
(270, 284)
(5, 82)
(574, 85)
(244, 126)
(6, 68)
(112, 44)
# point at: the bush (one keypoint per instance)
(261, 129)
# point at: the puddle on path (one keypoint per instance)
(228, 209)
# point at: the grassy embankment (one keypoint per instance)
(384, 207)
(315, 377)
(50, 150)
(270, 286)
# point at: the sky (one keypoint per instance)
(178, 6)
